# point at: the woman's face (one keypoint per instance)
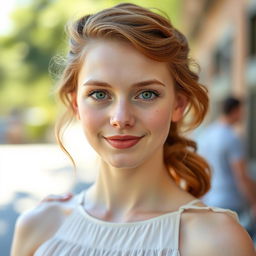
(125, 102)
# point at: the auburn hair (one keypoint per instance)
(154, 36)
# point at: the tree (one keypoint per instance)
(38, 35)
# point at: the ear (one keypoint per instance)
(180, 105)
(74, 104)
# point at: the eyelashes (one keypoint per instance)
(98, 95)
(103, 95)
(147, 95)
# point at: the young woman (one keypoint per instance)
(129, 83)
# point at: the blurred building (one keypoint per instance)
(223, 41)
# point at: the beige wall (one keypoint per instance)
(224, 25)
(224, 18)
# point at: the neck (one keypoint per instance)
(127, 190)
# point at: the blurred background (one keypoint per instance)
(222, 35)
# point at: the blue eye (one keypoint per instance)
(98, 95)
(148, 95)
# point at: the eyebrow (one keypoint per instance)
(139, 84)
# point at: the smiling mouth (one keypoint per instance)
(124, 142)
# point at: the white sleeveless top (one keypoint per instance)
(84, 235)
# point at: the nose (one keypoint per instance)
(122, 115)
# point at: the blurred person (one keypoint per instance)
(231, 187)
(128, 82)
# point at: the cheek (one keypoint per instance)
(160, 120)
(91, 118)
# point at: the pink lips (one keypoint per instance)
(123, 141)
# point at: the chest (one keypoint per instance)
(89, 236)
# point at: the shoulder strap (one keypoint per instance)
(188, 205)
(211, 208)
(191, 205)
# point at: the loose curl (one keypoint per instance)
(155, 37)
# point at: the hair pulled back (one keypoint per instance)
(155, 37)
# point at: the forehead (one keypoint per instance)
(115, 60)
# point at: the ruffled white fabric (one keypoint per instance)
(84, 235)
(64, 248)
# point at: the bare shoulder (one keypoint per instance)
(205, 232)
(37, 225)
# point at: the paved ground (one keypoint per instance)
(30, 172)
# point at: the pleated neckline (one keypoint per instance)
(96, 220)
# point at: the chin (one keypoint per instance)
(124, 163)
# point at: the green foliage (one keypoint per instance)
(38, 35)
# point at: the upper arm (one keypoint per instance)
(218, 234)
(21, 244)
(235, 148)
(229, 238)
(239, 168)
(35, 227)
(236, 157)
(24, 242)
(235, 151)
